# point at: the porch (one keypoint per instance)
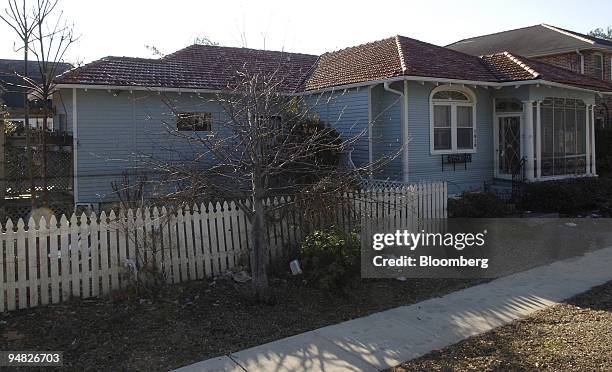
(549, 138)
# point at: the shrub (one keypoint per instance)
(478, 205)
(330, 259)
(570, 197)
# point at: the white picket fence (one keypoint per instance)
(88, 256)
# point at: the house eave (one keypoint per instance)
(421, 79)
(136, 88)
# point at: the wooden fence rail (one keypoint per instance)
(48, 262)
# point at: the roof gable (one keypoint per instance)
(529, 41)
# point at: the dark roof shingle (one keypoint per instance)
(194, 67)
(511, 67)
(215, 68)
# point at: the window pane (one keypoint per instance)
(442, 139)
(451, 95)
(547, 140)
(442, 117)
(464, 117)
(598, 66)
(465, 138)
(508, 105)
(194, 121)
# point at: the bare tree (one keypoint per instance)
(45, 34)
(266, 143)
(21, 19)
(53, 36)
(205, 40)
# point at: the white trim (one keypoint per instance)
(539, 141)
(528, 147)
(588, 140)
(495, 140)
(405, 135)
(138, 88)
(370, 118)
(404, 124)
(565, 176)
(484, 84)
(75, 144)
(453, 105)
(593, 153)
(581, 61)
(603, 66)
(568, 34)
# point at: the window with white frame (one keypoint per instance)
(598, 66)
(453, 121)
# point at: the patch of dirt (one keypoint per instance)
(194, 321)
(573, 336)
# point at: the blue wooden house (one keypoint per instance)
(455, 117)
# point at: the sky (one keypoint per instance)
(125, 27)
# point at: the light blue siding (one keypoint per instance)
(115, 132)
(387, 131)
(127, 132)
(424, 166)
(347, 112)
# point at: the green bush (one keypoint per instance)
(330, 259)
(477, 205)
(570, 197)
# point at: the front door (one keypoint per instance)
(508, 145)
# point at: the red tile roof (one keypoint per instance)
(214, 67)
(511, 67)
(194, 67)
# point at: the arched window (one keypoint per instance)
(453, 120)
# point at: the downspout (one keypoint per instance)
(75, 145)
(581, 56)
(404, 114)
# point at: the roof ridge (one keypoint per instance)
(567, 33)
(196, 46)
(522, 64)
(400, 52)
(357, 46)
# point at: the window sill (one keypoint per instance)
(452, 152)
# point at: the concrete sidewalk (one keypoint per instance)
(388, 338)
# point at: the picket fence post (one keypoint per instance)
(87, 256)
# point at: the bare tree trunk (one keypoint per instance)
(259, 253)
(44, 158)
(28, 131)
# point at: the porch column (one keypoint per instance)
(593, 168)
(529, 150)
(588, 140)
(2, 168)
(538, 139)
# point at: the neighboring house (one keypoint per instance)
(456, 117)
(581, 53)
(12, 88)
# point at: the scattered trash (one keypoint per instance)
(241, 277)
(295, 267)
(570, 224)
(402, 278)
